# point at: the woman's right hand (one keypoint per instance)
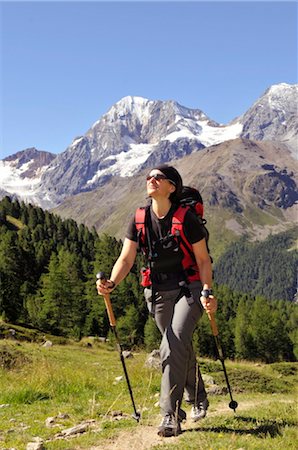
(105, 286)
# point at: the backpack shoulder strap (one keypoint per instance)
(177, 224)
(140, 222)
(179, 214)
(140, 215)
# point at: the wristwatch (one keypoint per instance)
(206, 293)
(113, 284)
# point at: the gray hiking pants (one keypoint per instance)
(176, 317)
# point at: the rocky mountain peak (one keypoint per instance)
(128, 106)
(29, 162)
(274, 116)
(21, 173)
(137, 133)
(281, 90)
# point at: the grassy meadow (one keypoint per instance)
(78, 382)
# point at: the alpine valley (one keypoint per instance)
(246, 170)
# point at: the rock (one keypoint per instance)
(35, 445)
(116, 413)
(155, 353)
(50, 421)
(120, 378)
(12, 333)
(217, 390)
(77, 429)
(47, 344)
(208, 380)
(153, 360)
(127, 354)
(63, 416)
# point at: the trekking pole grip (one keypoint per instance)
(110, 310)
(107, 300)
(213, 324)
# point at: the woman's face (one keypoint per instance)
(158, 185)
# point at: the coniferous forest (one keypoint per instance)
(48, 271)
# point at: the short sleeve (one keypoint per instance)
(193, 229)
(131, 232)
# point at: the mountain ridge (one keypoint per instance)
(238, 194)
(136, 133)
(245, 169)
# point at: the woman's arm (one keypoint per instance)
(121, 267)
(125, 261)
(204, 264)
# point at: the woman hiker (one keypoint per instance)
(176, 302)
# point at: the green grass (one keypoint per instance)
(256, 429)
(28, 334)
(258, 217)
(219, 241)
(80, 381)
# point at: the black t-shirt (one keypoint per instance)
(168, 255)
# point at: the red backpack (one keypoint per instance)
(190, 199)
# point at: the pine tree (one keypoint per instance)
(10, 280)
(244, 346)
(5, 206)
(269, 334)
(127, 327)
(61, 297)
(203, 339)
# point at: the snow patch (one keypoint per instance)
(209, 135)
(76, 141)
(13, 183)
(126, 163)
(216, 135)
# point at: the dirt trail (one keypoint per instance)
(144, 436)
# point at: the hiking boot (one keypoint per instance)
(169, 426)
(199, 411)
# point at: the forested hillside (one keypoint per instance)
(47, 281)
(266, 268)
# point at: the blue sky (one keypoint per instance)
(66, 63)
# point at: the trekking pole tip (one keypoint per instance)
(233, 405)
(136, 416)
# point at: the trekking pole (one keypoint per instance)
(233, 404)
(112, 320)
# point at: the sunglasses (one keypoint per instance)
(158, 177)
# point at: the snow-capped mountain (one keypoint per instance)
(273, 117)
(21, 174)
(137, 133)
(134, 133)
